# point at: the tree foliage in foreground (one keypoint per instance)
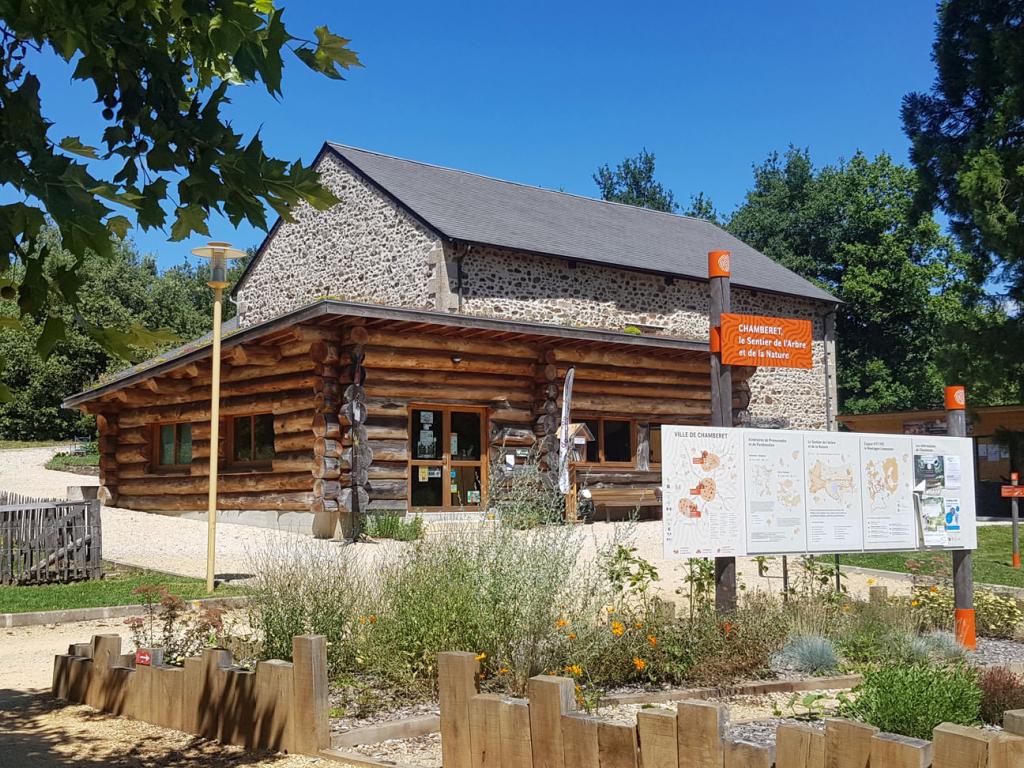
(118, 292)
(632, 182)
(162, 70)
(967, 132)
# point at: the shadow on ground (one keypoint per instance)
(36, 730)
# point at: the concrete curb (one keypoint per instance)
(37, 618)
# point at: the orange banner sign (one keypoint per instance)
(1012, 491)
(780, 342)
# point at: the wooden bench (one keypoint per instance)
(624, 498)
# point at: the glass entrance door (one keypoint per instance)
(448, 460)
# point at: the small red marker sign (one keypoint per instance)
(143, 658)
(1013, 491)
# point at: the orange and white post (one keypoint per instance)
(963, 576)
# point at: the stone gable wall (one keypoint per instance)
(365, 249)
(520, 286)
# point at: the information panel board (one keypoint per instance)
(758, 492)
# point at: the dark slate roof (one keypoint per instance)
(477, 209)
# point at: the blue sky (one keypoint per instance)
(542, 93)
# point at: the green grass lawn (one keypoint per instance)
(991, 559)
(83, 463)
(31, 443)
(115, 588)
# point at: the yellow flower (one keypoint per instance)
(639, 625)
(362, 619)
(573, 669)
(481, 656)
(618, 628)
(871, 582)
(561, 623)
(639, 663)
(609, 609)
(914, 602)
(652, 640)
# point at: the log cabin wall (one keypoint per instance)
(278, 377)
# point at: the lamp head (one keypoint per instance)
(218, 253)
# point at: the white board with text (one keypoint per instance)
(759, 492)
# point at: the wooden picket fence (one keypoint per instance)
(280, 705)
(47, 540)
(543, 731)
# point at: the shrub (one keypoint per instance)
(170, 623)
(810, 654)
(1001, 690)
(874, 631)
(995, 615)
(937, 645)
(394, 526)
(303, 586)
(815, 617)
(912, 699)
(524, 496)
(515, 596)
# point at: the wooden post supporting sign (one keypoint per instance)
(963, 576)
(721, 402)
(1015, 516)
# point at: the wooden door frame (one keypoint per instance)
(445, 462)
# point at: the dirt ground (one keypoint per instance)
(35, 730)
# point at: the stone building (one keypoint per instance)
(396, 350)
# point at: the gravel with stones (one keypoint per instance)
(992, 651)
(347, 723)
(424, 751)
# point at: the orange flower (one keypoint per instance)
(652, 640)
(503, 671)
(934, 589)
(573, 669)
(373, 619)
(618, 628)
(571, 635)
(639, 625)
(561, 623)
(639, 663)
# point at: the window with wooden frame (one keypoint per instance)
(172, 446)
(448, 456)
(615, 442)
(251, 439)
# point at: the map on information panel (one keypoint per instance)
(753, 491)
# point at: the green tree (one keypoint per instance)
(967, 132)
(118, 292)
(701, 207)
(853, 229)
(162, 70)
(632, 182)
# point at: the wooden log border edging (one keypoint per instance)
(544, 731)
(281, 705)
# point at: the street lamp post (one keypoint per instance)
(218, 254)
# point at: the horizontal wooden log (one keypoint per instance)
(134, 436)
(515, 436)
(294, 461)
(129, 454)
(388, 489)
(320, 505)
(441, 393)
(384, 432)
(354, 455)
(324, 402)
(253, 384)
(132, 470)
(326, 488)
(391, 376)
(263, 482)
(392, 471)
(450, 344)
(165, 386)
(251, 355)
(296, 421)
(382, 357)
(329, 386)
(635, 375)
(294, 441)
(354, 413)
(511, 415)
(292, 501)
(629, 389)
(295, 349)
(355, 334)
(695, 363)
(389, 450)
(282, 402)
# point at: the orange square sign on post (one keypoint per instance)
(780, 342)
